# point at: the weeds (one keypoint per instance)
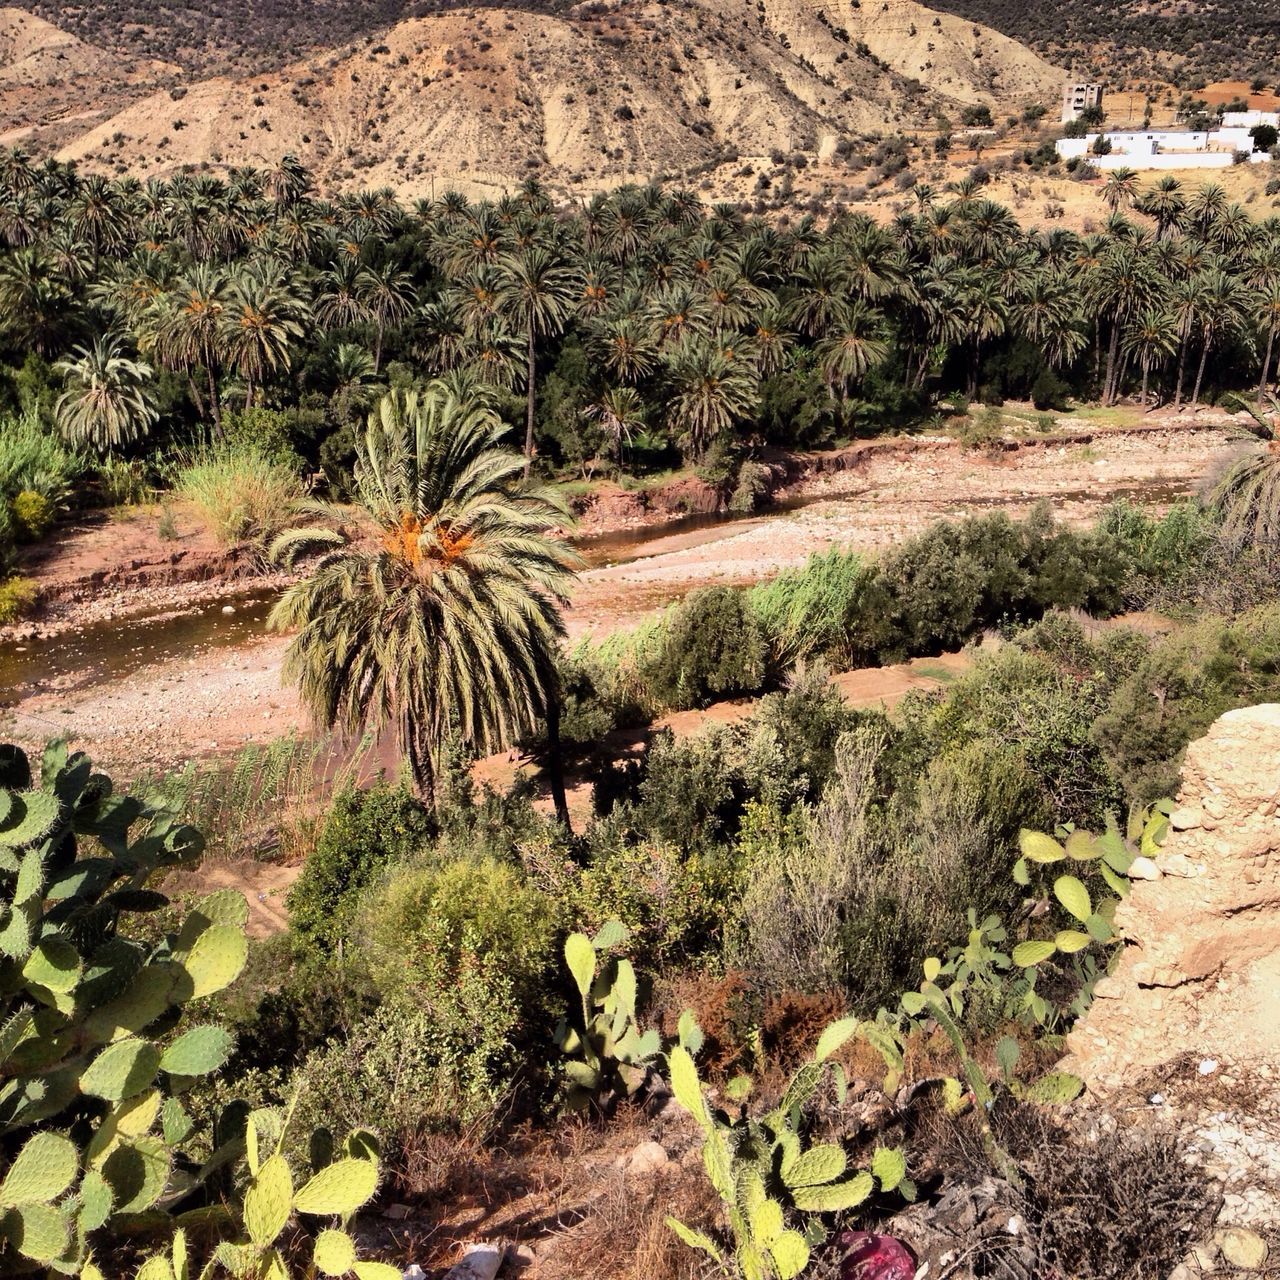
(242, 493)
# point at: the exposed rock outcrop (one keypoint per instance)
(1190, 1020)
(1201, 975)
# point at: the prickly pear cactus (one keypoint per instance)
(92, 1072)
(607, 1055)
(774, 1187)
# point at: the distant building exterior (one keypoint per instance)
(1161, 149)
(1248, 119)
(1078, 98)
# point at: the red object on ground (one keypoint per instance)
(873, 1257)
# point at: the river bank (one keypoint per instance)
(157, 693)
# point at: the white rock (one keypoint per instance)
(1208, 1066)
(228, 608)
(1143, 869)
(479, 1262)
(1244, 1249)
(415, 1272)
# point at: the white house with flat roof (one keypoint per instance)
(1247, 120)
(1163, 149)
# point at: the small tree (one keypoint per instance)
(1265, 136)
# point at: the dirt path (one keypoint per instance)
(215, 698)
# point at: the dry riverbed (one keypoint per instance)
(216, 697)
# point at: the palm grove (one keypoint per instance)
(638, 327)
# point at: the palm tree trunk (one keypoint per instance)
(555, 763)
(1182, 368)
(528, 430)
(196, 397)
(248, 396)
(1266, 363)
(1108, 389)
(1146, 376)
(377, 350)
(214, 402)
(1204, 360)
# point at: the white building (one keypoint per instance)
(1246, 120)
(1163, 149)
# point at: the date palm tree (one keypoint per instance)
(710, 393)
(1226, 303)
(448, 620)
(620, 412)
(389, 297)
(263, 319)
(853, 345)
(1246, 496)
(1151, 337)
(537, 294)
(107, 402)
(184, 329)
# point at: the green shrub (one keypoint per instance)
(1181, 686)
(835, 606)
(1024, 700)
(363, 833)
(408, 1072)
(426, 928)
(241, 491)
(673, 902)
(34, 459)
(272, 433)
(711, 646)
(18, 596)
(32, 515)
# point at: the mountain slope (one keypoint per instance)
(1128, 40)
(52, 82)
(590, 97)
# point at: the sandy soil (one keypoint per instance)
(215, 699)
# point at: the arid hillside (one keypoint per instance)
(596, 95)
(52, 83)
(1184, 41)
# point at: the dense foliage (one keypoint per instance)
(639, 327)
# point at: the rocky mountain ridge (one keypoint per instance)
(584, 99)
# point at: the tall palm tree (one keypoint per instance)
(1265, 307)
(1226, 303)
(450, 621)
(389, 298)
(621, 412)
(709, 393)
(1122, 285)
(262, 321)
(1120, 188)
(1151, 337)
(537, 294)
(185, 329)
(854, 343)
(107, 401)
